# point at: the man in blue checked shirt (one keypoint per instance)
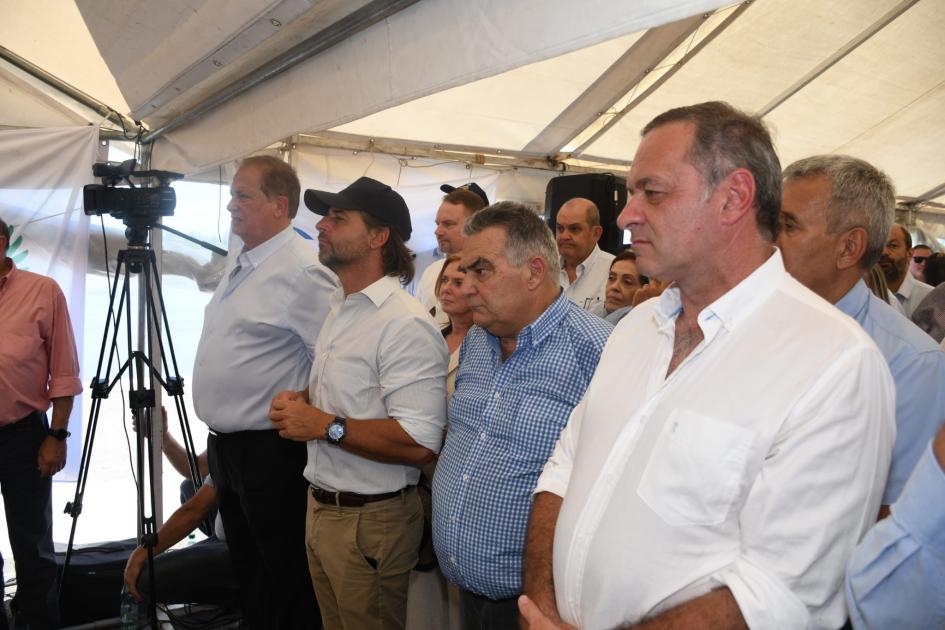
(522, 368)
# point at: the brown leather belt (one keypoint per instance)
(353, 499)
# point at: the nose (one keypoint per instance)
(231, 206)
(322, 224)
(438, 232)
(631, 215)
(467, 288)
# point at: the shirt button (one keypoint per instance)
(465, 477)
(453, 559)
(497, 396)
(482, 435)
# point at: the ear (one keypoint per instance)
(377, 237)
(537, 272)
(738, 189)
(850, 247)
(282, 205)
(597, 231)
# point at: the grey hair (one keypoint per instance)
(526, 235)
(861, 196)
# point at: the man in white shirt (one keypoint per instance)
(258, 338)
(895, 264)
(373, 413)
(458, 205)
(732, 446)
(584, 266)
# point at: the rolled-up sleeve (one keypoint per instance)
(61, 352)
(819, 490)
(412, 368)
(896, 575)
(556, 474)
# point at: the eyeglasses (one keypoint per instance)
(919, 259)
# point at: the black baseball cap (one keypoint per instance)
(367, 195)
(471, 187)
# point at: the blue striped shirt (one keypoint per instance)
(504, 420)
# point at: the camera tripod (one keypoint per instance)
(142, 374)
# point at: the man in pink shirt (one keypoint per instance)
(38, 365)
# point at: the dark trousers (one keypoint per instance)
(481, 613)
(27, 499)
(262, 495)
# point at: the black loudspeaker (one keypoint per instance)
(200, 573)
(93, 586)
(608, 192)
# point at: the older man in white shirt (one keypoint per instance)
(258, 338)
(727, 482)
(584, 266)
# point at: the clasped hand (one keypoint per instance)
(295, 419)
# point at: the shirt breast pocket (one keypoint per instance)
(696, 469)
(21, 345)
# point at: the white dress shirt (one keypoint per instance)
(426, 292)
(757, 464)
(911, 293)
(259, 332)
(590, 281)
(379, 355)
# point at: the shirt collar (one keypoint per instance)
(584, 264)
(908, 284)
(536, 332)
(734, 306)
(855, 301)
(381, 289)
(257, 255)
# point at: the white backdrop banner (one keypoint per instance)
(41, 178)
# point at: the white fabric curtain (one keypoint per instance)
(41, 178)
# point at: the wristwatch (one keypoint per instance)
(335, 431)
(59, 434)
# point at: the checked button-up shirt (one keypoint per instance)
(504, 420)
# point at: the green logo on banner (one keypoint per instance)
(13, 251)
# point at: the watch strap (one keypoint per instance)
(59, 434)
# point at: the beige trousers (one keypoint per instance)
(360, 560)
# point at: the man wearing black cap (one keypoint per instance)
(373, 413)
(458, 205)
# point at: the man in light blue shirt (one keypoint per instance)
(896, 578)
(835, 215)
(522, 368)
(258, 338)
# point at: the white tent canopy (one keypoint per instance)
(555, 83)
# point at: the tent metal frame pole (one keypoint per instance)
(341, 30)
(836, 57)
(69, 90)
(638, 61)
(929, 195)
(663, 78)
(458, 153)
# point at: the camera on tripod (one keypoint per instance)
(137, 206)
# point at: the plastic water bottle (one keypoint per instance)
(133, 614)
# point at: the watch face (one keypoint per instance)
(336, 430)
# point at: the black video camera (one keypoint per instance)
(141, 206)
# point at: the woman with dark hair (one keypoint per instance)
(623, 282)
(454, 304)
